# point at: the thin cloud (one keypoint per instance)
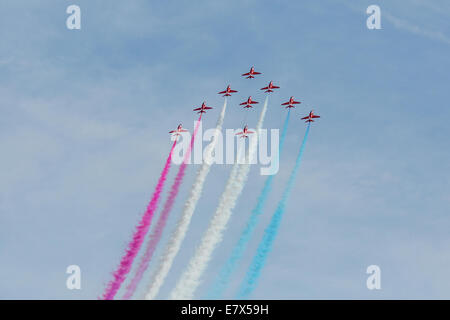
(404, 25)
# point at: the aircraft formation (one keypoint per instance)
(234, 186)
(249, 104)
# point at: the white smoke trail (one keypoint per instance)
(190, 279)
(182, 226)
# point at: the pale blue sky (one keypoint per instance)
(85, 115)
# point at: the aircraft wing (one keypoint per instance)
(304, 118)
(285, 104)
(265, 88)
(246, 74)
(254, 102)
(316, 116)
(222, 92)
(256, 72)
(197, 109)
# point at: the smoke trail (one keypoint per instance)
(155, 236)
(190, 278)
(271, 231)
(182, 226)
(229, 267)
(138, 236)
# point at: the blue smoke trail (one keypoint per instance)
(271, 231)
(231, 264)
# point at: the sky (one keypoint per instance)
(83, 135)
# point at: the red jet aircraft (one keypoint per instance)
(270, 87)
(310, 117)
(251, 74)
(202, 108)
(178, 130)
(248, 103)
(245, 132)
(227, 91)
(290, 103)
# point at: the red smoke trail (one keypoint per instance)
(156, 235)
(138, 236)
